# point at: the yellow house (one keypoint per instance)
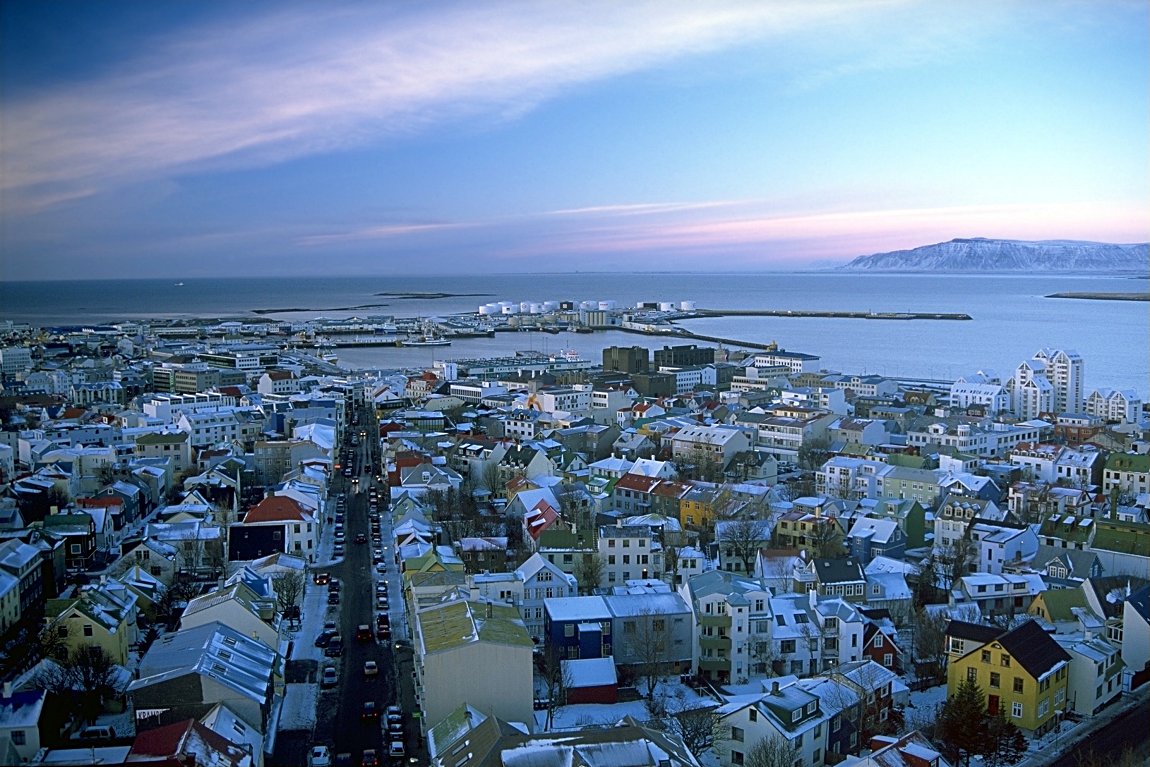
(1022, 673)
(103, 615)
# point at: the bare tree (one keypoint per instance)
(647, 639)
(289, 587)
(589, 573)
(85, 678)
(191, 554)
(929, 640)
(557, 679)
(956, 559)
(771, 751)
(696, 727)
(743, 538)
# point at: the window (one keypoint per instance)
(888, 660)
(753, 715)
(736, 757)
(1005, 660)
(877, 643)
(737, 734)
(995, 679)
(955, 645)
(972, 675)
(796, 714)
(1016, 710)
(1018, 684)
(74, 548)
(87, 629)
(569, 630)
(19, 738)
(986, 656)
(787, 646)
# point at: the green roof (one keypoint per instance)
(1128, 462)
(460, 623)
(1059, 602)
(1125, 537)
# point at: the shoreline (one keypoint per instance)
(1087, 296)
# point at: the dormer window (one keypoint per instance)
(796, 714)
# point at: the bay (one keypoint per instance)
(1012, 318)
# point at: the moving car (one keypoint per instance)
(363, 632)
(370, 712)
(370, 758)
(370, 668)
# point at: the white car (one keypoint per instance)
(320, 756)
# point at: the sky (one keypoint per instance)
(144, 139)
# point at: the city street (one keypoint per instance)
(340, 720)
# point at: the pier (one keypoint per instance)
(831, 314)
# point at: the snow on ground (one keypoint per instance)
(675, 695)
(298, 710)
(923, 706)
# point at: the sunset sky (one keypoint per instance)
(145, 139)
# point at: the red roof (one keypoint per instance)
(183, 739)
(96, 503)
(540, 517)
(637, 482)
(276, 508)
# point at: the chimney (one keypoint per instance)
(813, 596)
(7, 690)
(775, 688)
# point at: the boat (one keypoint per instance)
(179, 285)
(425, 341)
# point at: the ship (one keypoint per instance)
(425, 341)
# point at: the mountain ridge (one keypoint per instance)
(985, 254)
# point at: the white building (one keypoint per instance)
(1114, 405)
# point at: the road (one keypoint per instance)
(339, 711)
(1106, 745)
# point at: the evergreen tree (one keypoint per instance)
(963, 723)
(1005, 743)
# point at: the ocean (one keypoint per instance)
(1012, 317)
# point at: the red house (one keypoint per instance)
(591, 680)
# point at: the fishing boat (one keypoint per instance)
(425, 341)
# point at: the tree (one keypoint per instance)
(963, 723)
(771, 751)
(647, 639)
(743, 538)
(696, 725)
(813, 453)
(557, 680)
(1006, 744)
(289, 588)
(929, 639)
(85, 678)
(589, 573)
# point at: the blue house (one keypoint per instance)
(577, 627)
(869, 538)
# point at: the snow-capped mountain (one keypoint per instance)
(978, 254)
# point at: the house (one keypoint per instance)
(651, 630)
(999, 543)
(1023, 673)
(278, 523)
(730, 629)
(20, 724)
(840, 577)
(23, 563)
(527, 587)
(1064, 568)
(629, 552)
(578, 627)
(786, 711)
(869, 538)
(469, 737)
(477, 653)
(1095, 673)
(103, 614)
(238, 607)
(187, 673)
(996, 595)
(909, 750)
(188, 742)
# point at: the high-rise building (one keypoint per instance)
(1064, 370)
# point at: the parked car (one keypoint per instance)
(395, 749)
(320, 756)
(324, 638)
(335, 647)
(330, 677)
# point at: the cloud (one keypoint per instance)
(313, 79)
(385, 231)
